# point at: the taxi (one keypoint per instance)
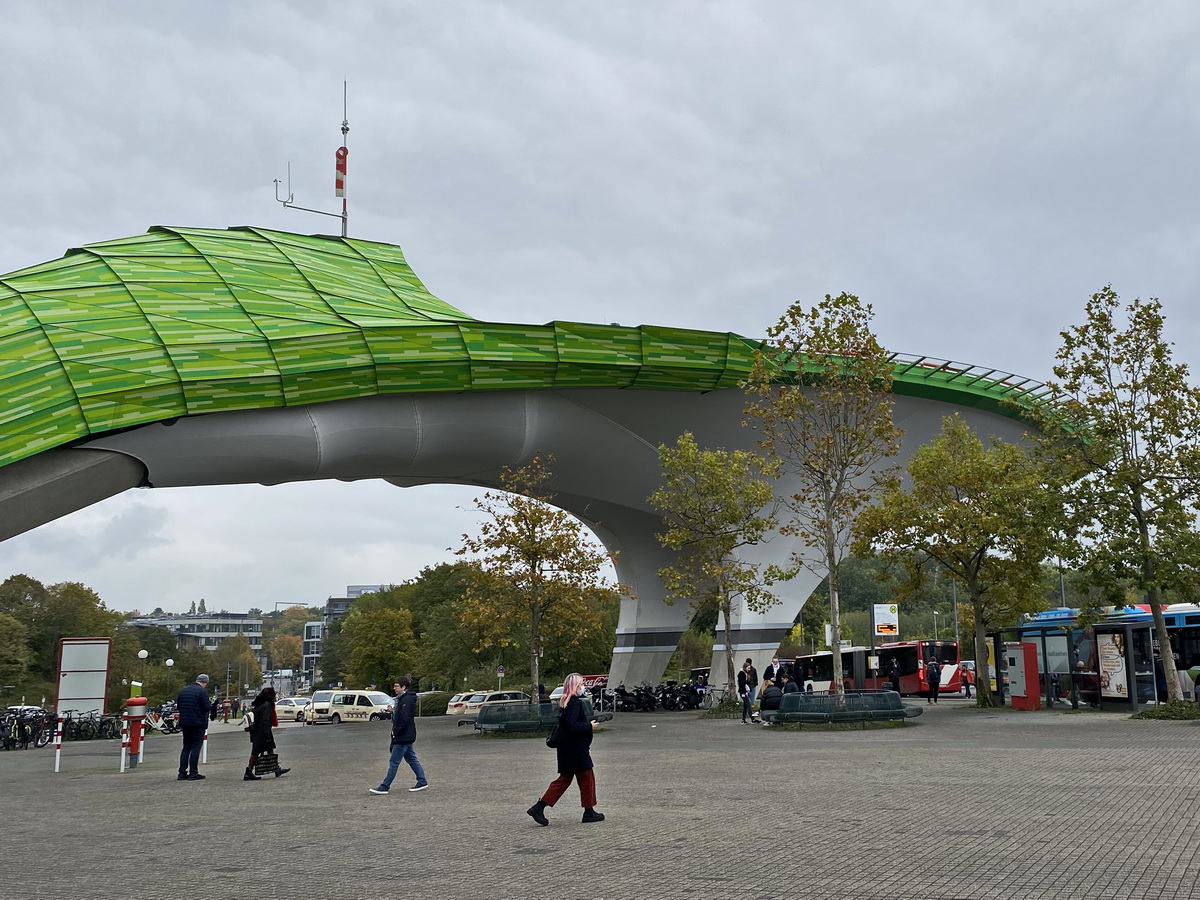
(349, 706)
(292, 708)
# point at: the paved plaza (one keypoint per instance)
(958, 804)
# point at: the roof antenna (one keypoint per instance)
(339, 177)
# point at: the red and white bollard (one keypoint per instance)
(124, 739)
(135, 714)
(57, 742)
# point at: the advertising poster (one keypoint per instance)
(1113, 681)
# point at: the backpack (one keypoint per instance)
(933, 672)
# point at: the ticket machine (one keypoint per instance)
(1023, 683)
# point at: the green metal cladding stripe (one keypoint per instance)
(182, 321)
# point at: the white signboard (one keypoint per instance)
(82, 674)
(887, 620)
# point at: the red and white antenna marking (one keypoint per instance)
(339, 177)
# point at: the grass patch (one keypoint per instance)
(1176, 710)
(726, 709)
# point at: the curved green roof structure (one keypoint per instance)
(183, 321)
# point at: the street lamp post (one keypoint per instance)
(143, 655)
(935, 625)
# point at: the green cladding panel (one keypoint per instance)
(185, 321)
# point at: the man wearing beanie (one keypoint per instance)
(194, 706)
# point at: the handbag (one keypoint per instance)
(266, 763)
(552, 737)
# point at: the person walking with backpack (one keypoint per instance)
(933, 675)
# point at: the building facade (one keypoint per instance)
(207, 630)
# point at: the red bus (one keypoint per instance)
(911, 657)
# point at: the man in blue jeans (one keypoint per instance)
(404, 735)
(193, 705)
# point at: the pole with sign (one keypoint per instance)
(500, 677)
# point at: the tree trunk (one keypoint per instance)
(1150, 579)
(835, 626)
(730, 675)
(535, 640)
(1170, 672)
(983, 674)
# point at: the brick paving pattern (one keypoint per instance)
(959, 804)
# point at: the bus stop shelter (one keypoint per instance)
(1107, 665)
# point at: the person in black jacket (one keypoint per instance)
(746, 690)
(263, 719)
(404, 735)
(774, 672)
(574, 755)
(193, 705)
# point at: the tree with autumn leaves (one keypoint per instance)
(986, 515)
(1131, 421)
(538, 570)
(715, 503)
(820, 393)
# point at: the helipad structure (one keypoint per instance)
(195, 356)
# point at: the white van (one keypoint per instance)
(349, 706)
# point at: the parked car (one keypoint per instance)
(458, 703)
(349, 706)
(292, 708)
(477, 700)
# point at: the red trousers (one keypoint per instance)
(587, 788)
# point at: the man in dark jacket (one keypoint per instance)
(789, 686)
(404, 735)
(194, 706)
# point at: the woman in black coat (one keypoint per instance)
(574, 756)
(261, 739)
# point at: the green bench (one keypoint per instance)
(509, 715)
(823, 709)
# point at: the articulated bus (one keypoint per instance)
(910, 656)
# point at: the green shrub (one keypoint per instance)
(1173, 709)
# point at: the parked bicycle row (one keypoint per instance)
(25, 726)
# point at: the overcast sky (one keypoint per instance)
(973, 170)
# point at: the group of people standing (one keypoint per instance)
(777, 681)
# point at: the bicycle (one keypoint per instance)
(715, 696)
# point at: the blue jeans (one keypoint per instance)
(403, 752)
(189, 756)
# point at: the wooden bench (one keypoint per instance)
(823, 709)
(514, 716)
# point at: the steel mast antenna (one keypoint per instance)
(339, 177)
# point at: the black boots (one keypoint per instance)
(538, 813)
(590, 815)
(279, 771)
(250, 776)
